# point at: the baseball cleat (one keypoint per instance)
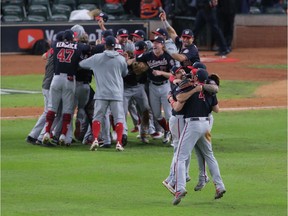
(169, 187)
(31, 140)
(135, 129)
(119, 147)
(94, 145)
(62, 140)
(124, 139)
(144, 139)
(46, 138)
(201, 185)
(219, 193)
(157, 135)
(178, 196)
(167, 137)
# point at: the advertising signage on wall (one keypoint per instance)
(18, 38)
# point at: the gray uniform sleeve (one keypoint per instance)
(87, 63)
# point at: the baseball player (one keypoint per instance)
(34, 134)
(134, 89)
(169, 43)
(108, 67)
(122, 37)
(83, 79)
(66, 56)
(176, 123)
(140, 35)
(195, 132)
(128, 46)
(188, 51)
(159, 87)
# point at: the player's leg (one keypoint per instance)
(100, 108)
(119, 118)
(206, 147)
(68, 96)
(55, 94)
(133, 113)
(36, 130)
(128, 93)
(203, 177)
(164, 90)
(82, 97)
(141, 99)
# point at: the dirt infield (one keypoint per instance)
(273, 94)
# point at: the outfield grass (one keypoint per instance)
(250, 146)
(228, 89)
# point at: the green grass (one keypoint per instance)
(250, 146)
(228, 90)
(238, 89)
(24, 82)
(22, 100)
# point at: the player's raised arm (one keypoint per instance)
(171, 31)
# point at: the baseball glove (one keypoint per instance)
(139, 67)
(215, 78)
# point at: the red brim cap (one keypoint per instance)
(123, 35)
(186, 35)
(157, 33)
(136, 35)
(138, 52)
(178, 69)
(193, 70)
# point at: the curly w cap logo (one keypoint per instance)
(27, 37)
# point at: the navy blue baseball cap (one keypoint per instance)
(199, 65)
(187, 33)
(159, 39)
(175, 69)
(104, 16)
(161, 32)
(59, 36)
(122, 32)
(202, 74)
(68, 35)
(139, 33)
(195, 67)
(110, 41)
(140, 47)
(107, 33)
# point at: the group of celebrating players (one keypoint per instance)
(138, 76)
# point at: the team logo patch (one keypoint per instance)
(185, 51)
(27, 37)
